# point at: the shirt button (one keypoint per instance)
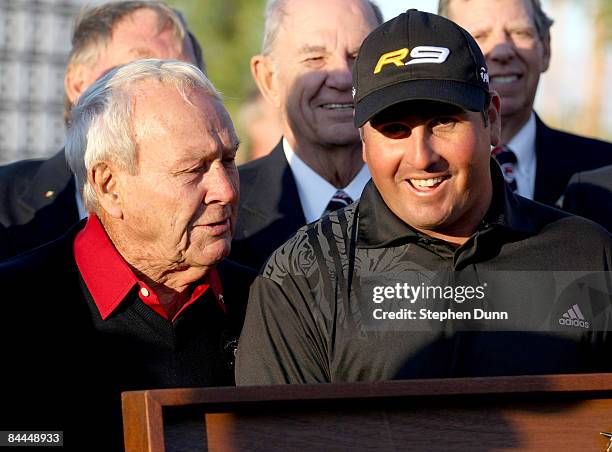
(144, 292)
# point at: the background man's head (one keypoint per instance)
(260, 122)
(116, 33)
(514, 36)
(305, 67)
(428, 122)
(153, 150)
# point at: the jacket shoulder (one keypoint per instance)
(16, 175)
(22, 168)
(249, 171)
(574, 228)
(38, 265)
(573, 142)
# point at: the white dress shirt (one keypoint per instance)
(314, 191)
(523, 145)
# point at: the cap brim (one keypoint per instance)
(466, 96)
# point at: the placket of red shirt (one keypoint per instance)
(150, 298)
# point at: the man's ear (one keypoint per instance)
(104, 179)
(545, 53)
(76, 81)
(363, 145)
(495, 118)
(263, 71)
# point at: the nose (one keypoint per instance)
(221, 184)
(421, 154)
(500, 47)
(340, 75)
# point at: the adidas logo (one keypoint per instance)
(574, 317)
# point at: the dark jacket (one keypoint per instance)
(68, 367)
(270, 210)
(559, 155)
(313, 315)
(37, 202)
(589, 194)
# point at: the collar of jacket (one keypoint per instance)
(380, 227)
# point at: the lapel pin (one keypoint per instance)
(49, 194)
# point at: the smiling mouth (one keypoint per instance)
(502, 79)
(348, 106)
(427, 184)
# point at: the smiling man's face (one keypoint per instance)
(516, 55)
(312, 57)
(430, 163)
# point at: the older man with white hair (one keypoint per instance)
(39, 197)
(137, 296)
(304, 71)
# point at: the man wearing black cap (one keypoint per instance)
(514, 36)
(439, 270)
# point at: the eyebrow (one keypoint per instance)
(311, 49)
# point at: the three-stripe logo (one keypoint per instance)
(574, 317)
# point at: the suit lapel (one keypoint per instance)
(273, 196)
(270, 209)
(50, 183)
(547, 164)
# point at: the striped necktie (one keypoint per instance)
(338, 201)
(508, 162)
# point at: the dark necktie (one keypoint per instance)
(338, 201)
(507, 160)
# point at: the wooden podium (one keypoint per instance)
(550, 412)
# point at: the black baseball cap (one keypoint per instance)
(418, 56)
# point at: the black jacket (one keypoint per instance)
(65, 367)
(559, 155)
(270, 210)
(313, 315)
(589, 194)
(37, 202)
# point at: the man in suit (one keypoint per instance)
(514, 35)
(140, 295)
(304, 70)
(375, 291)
(39, 199)
(589, 194)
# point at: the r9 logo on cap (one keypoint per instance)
(419, 55)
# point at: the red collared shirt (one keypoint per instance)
(109, 278)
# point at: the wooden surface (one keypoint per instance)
(563, 412)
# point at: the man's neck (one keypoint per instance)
(512, 124)
(170, 281)
(337, 164)
(460, 232)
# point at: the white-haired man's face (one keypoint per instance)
(308, 74)
(178, 210)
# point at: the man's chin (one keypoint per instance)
(212, 253)
(341, 138)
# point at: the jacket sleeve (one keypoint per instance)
(280, 341)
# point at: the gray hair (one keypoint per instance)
(93, 30)
(275, 13)
(101, 121)
(541, 21)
